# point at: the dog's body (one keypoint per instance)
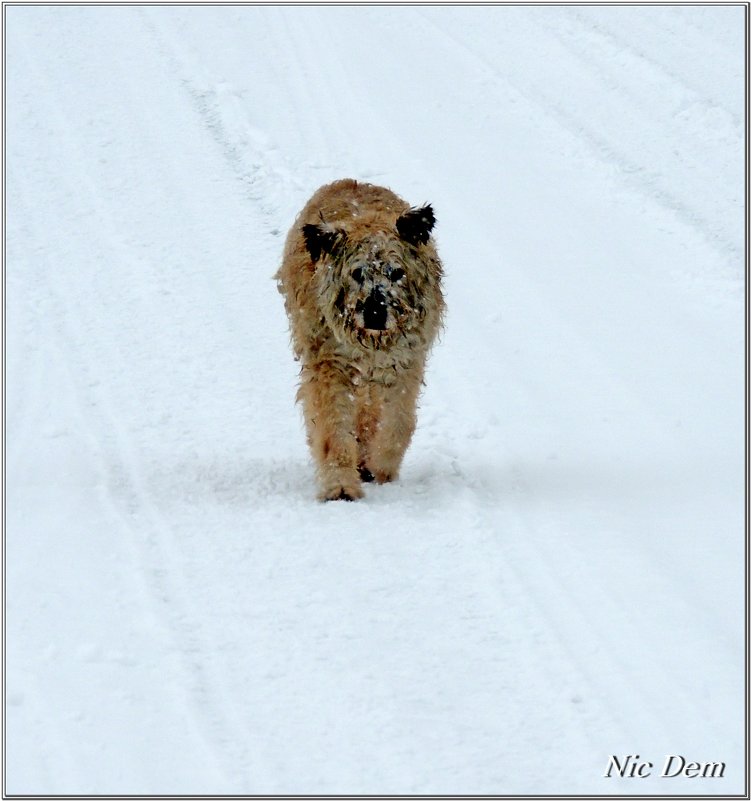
(362, 286)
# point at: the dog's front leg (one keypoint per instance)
(397, 424)
(327, 395)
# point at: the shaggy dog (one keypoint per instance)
(361, 281)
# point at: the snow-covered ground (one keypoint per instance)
(556, 578)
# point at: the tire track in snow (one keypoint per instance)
(516, 501)
(637, 177)
(691, 37)
(496, 502)
(617, 42)
(578, 652)
(120, 492)
(269, 180)
(626, 72)
(128, 497)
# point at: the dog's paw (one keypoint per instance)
(383, 474)
(343, 495)
(340, 493)
(337, 483)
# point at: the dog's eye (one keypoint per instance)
(357, 275)
(396, 274)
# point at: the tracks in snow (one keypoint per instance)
(456, 627)
(93, 310)
(622, 72)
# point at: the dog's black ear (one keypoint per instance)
(321, 239)
(415, 225)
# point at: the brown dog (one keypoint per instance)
(362, 285)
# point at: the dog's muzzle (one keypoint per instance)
(375, 311)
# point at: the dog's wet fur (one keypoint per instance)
(361, 280)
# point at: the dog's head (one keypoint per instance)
(374, 282)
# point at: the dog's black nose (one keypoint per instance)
(375, 311)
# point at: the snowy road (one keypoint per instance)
(558, 575)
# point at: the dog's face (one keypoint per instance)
(372, 288)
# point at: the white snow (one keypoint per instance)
(556, 578)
